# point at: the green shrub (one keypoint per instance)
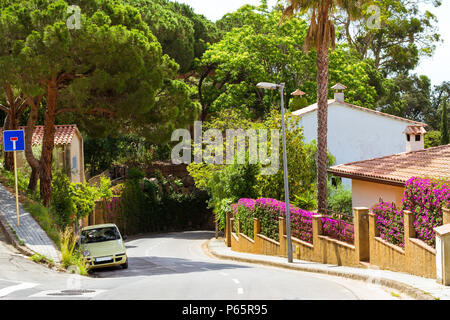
(340, 199)
(39, 258)
(146, 207)
(73, 201)
(306, 200)
(70, 254)
(229, 185)
(45, 218)
(245, 216)
(62, 203)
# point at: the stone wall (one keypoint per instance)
(416, 258)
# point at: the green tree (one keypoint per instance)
(407, 96)
(301, 162)
(183, 34)
(113, 61)
(404, 34)
(439, 93)
(445, 138)
(321, 34)
(257, 49)
(223, 120)
(432, 139)
(228, 185)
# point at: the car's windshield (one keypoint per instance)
(100, 235)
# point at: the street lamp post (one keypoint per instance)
(281, 86)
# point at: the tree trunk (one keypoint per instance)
(11, 123)
(34, 104)
(48, 143)
(322, 129)
(7, 159)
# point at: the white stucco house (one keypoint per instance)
(356, 133)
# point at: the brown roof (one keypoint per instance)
(63, 134)
(398, 168)
(298, 92)
(415, 130)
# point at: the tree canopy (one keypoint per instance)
(261, 50)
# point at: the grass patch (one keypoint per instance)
(39, 258)
(395, 295)
(72, 258)
(44, 218)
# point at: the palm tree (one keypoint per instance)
(321, 34)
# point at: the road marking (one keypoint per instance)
(22, 286)
(236, 281)
(207, 269)
(223, 274)
(240, 291)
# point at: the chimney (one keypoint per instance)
(339, 95)
(415, 138)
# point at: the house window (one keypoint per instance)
(417, 137)
(408, 137)
(74, 163)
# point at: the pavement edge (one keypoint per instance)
(397, 285)
(12, 238)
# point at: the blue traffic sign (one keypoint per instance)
(14, 140)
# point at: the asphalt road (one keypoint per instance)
(174, 266)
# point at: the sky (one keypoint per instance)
(437, 68)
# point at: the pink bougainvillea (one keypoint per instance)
(426, 198)
(268, 210)
(389, 222)
(423, 197)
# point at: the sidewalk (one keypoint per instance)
(30, 232)
(414, 286)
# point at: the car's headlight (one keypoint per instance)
(86, 253)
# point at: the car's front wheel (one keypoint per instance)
(125, 265)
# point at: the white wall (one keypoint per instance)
(355, 135)
(75, 152)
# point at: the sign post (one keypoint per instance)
(13, 141)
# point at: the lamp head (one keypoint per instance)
(267, 85)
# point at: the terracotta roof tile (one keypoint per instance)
(63, 134)
(398, 168)
(415, 130)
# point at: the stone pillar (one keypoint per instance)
(256, 227)
(361, 227)
(373, 233)
(257, 246)
(446, 215)
(408, 222)
(317, 230)
(443, 254)
(281, 234)
(228, 229)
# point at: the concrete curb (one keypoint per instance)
(12, 238)
(397, 285)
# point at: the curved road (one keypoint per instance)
(174, 266)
